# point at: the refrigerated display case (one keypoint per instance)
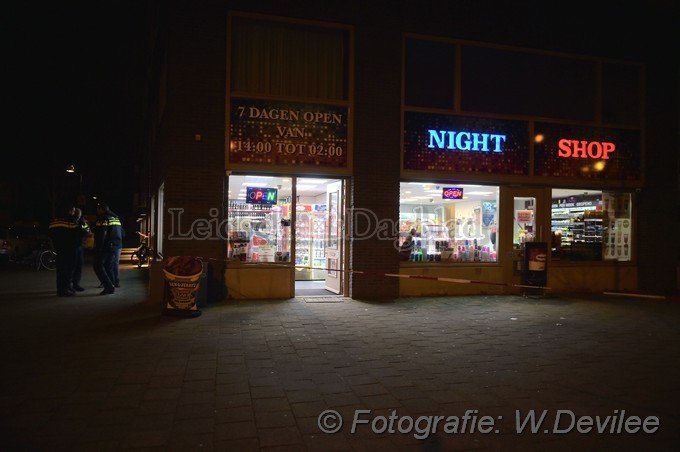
(310, 253)
(318, 244)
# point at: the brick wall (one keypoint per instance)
(194, 138)
(375, 185)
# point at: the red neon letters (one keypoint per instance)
(585, 149)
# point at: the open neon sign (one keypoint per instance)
(452, 193)
(256, 195)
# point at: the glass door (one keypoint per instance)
(334, 242)
(525, 218)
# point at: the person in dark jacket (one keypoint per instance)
(67, 236)
(407, 247)
(80, 253)
(108, 239)
(114, 264)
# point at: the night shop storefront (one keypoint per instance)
(475, 191)
(287, 165)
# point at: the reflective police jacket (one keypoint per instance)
(66, 234)
(85, 230)
(108, 232)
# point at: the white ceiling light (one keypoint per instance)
(312, 181)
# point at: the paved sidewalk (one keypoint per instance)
(98, 373)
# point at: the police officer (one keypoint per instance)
(108, 239)
(80, 254)
(66, 235)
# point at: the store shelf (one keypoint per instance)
(310, 242)
(577, 225)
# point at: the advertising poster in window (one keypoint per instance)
(463, 144)
(332, 268)
(488, 213)
(273, 133)
(333, 220)
(617, 242)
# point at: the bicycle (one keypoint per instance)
(47, 259)
(43, 257)
(141, 255)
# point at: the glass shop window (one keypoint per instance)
(442, 222)
(259, 218)
(591, 225)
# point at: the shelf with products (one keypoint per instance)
(577, 225)
(448, 236)
(310, 239)
(319, 239)
(255, 233)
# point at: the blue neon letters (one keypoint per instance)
(465, 141)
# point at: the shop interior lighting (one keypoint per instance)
(312, 181)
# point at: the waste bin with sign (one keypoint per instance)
(182, 285)
(534, 269)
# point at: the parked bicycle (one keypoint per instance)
(141, 255)
(39, 258)
(47, 259)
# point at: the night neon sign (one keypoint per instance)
(452, 193)
(465, 141)
(256, 195)
(585, 149)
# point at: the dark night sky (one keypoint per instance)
(74, 98)
(76, 72)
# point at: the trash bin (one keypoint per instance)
(182, 285)
(534, 268)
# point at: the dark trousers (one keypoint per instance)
(65, 261)
(100, 265)
(78, 267)
(113, 266)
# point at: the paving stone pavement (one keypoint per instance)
(98, 373)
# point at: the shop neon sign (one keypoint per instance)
(585, 149)
(465, 141)
(452, 193)
(256, 195)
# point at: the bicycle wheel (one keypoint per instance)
(134, 258)
(143, 257)
(48, 259)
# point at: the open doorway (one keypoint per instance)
(318, 237)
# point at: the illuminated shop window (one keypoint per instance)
(259, 218)
(591, 225)
(443, 222)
